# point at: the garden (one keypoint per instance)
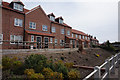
(37, 67)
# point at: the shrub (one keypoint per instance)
(73, 74)
(62, 58)
(69, 65)
(36, 76)
(51, 65)
(56, 75)
(36, 62)
(59, 67)
(29, 71)
(47, 72)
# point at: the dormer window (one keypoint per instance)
(18, 7)
(52, 18)
(60, 21)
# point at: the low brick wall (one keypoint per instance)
(15, 51)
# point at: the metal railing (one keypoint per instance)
(109, 65)
(38, 45)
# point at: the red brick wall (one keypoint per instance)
(8, 27)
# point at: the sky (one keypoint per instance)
(95, 17)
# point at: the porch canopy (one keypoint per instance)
(39, 33)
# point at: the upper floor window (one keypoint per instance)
(83, 37)
(68, 32)
(1, 38)
(61, 21)
(32, 25)
(18, 22)
(53, 29)
(44, 28)
(72, 35)
(79, 36)
(18, 7)
(62, 31)
(76, 35)
(52, 18)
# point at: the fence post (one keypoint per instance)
(97, 75)
(107, 67)
(113, 64)
(117, 64)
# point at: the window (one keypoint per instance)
(61, 21)
(18, 22)
(62, 31)
(18, 7)
(32, 38)
(79, 36)
(52, 18)
(76, 35)
(51, 40)
(72, 35)
(68, 32)
(55, 41)
(32, 25)
(70, 41)
(14, 39)
(53, 29)
(62, 42)
(1, 38)
(44, 28)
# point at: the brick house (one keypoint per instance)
(43, 31)
(80, 38)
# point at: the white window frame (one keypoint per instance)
(44, 27)
(79, 36)
(51, 40)
(32, 38)
(56, 41)
(18, 22)
(76, 36)
(13, 39)
(53, 30)
(18, 7)
(60, 21)
(61, 43)
(62, 31)
(32, 25)
(68, 33)
(72, 35)
(1, 38)
(52, 18)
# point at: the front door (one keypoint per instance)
(46, 42)
(39, 40)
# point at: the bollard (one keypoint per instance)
(97, 75)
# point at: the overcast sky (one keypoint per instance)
(95, 17)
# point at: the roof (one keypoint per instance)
(64, 24)
(60, 17)
(6, 5)
(51, 14)
(18, 1)
(70, 37)
(78, 32)
(39, 33)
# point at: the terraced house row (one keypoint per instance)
(38, 29)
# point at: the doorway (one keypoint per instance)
(46, 42)
(39, 40)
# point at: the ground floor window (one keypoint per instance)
(15, 39)
(51, 40)
(55, 41)
(61, 42)
(1, 38)
(32, 38)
